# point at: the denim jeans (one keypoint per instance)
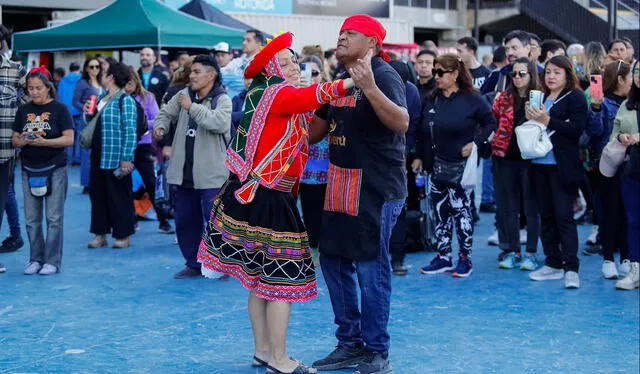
(74, 153)
(374, 278)
(49, 250)
(12, 206)
(193, 208)
(488, 193)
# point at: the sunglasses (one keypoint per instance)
(93, 67)
(440, 72)
(520, 74)
(315, 73)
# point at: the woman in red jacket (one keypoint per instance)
(255, 232)
(511, 172)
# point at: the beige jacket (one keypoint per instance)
(210, 149)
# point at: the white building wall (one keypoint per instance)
(322, 30)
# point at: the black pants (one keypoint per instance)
(144, 163)
(312, 202)
(558, 229)
(452, 207)
(6, 172)
(112, 208)
(513, 193)
(613, 225)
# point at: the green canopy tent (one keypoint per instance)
(128, 24)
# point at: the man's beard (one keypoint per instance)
(145, 63)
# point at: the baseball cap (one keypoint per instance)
(222, 47)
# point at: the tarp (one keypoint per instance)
(128, 24)
(203, 10)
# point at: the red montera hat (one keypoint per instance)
(266, 58)
(366, 25)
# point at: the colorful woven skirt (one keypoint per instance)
(264, 244)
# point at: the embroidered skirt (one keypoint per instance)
(264, 244)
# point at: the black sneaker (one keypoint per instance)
(487, 208)
(342, 357)
(399, 269)
(11, 244)
(166, 228)
(187, 273)
(374, 363)
(593, 250)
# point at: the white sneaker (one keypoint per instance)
(632, 280)
(593, 238)
(32, 268)
(523, 236)
(547, 273)
(493, 239)
(609, 270)
(571, 280)
(624, 268)
(48, 269)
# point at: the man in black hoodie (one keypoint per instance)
(424, 65)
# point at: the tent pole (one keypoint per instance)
(159, 55)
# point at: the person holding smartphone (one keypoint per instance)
(557, 175)
(43, 128)
(112, 154)
(607, 194)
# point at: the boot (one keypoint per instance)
(98, 242)
(632, 280)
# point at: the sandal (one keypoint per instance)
(257, 362)
(300, 369)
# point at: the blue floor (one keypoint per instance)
(117, 311)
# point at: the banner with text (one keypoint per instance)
(375, 8)
(246, 6)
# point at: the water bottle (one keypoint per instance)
(420, 180)
(420, 183)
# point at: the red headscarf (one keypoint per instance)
(41, 69)
(368, 26)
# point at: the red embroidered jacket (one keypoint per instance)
(503, 110)
(282, 148)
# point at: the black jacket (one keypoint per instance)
(568, 119)
(158, 82)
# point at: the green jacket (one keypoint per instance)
(626, 122)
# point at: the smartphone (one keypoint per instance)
(30, 136)
(305, 72)
(535, 99)
(595, 82)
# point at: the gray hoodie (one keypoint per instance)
(210, 149)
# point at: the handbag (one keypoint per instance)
(611, 158)
(39, 180)
(86, 135)
(533, 140)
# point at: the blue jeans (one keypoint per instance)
(374, 278)
(12, 206)
(74, 153)
(193, 208)
(46, 249)
(84, 154)
(488, 194)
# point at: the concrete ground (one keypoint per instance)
(120, 311)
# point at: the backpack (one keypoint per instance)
(142, 124)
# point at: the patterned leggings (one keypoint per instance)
(452, 205)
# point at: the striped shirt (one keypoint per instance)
(12, 81)
(118, 132)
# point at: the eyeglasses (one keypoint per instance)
(440, 72)
(520, 74)
(93, 67)
(315, 73)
